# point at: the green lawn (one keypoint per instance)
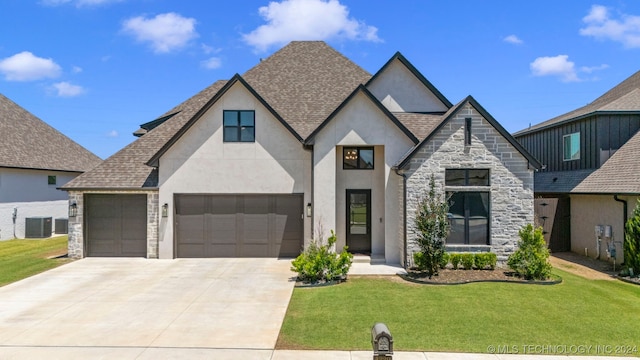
(466, 318)
(23, 258)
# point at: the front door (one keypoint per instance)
(359, 221)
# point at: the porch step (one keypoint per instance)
(369, 259)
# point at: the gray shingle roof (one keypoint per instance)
(623, 97)
(618, 175)
(559, 182)
(28, 142)
(421, 125)
(304, 82)
(127, 168)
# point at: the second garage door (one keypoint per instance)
(239, 225)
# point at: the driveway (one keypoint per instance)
(140, 303)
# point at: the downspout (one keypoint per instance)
(624, 216)
(404, 217)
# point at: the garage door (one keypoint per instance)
(239, 225)
(116, 225)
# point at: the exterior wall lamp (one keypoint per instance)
(73, 209)
(165, 210)
(309, 209)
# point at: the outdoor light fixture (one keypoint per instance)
(308, 209)
(165, 210)
(73, 209)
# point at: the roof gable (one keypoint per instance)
(304, 82)
(420, 96)
(30, 143)
(361, 89)
(490, 119)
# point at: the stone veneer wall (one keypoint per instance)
(76, 224)
(511, 185)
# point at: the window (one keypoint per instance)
(467, 131)
(357, 158)
(239, 126)
(51, 179)
(571, 145)
(466, 177)
(468, 210)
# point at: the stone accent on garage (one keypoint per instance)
(511, 183)
(76, 224)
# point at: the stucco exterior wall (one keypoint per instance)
(360, 123)
(75, 246)
(511, 181)
(587, 211)
(400, 91)
(201, 163)
(28, 192)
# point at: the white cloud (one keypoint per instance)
(513, 39)
(112, 133)
(78, 3)
(66, 89)
(211, 63)
(602, 26)
(307, 20)
(165, 32)
(555, 66)
(25, 66)
(76, 69)
(590, 69)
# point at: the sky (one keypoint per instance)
(97, 69)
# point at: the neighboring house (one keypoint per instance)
(592, 167)
(304, 143)
(35, 160)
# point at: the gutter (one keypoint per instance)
(404, 217)
(624, 216)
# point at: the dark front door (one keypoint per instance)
(359, 221)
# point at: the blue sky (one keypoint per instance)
(96, 69)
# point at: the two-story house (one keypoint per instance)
(590, 182)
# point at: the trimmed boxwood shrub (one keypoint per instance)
(484, 260)
(455, 259)
(467, 261)
(444, 261)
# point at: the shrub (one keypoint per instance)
(631, 247)
(484, 260)
(531, 260)
(455, 260)
(319, 262)
(444, 261)
(418, 261)
(467, 261)
(433, 227)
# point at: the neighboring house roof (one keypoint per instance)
(490, 119)
(30, 143)
(624, 97)
(618, 175)
(559, 182)
(127, 169)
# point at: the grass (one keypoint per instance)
(20, 259)
(463, 318)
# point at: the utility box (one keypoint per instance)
(62, 226)
(38, 227)
(382, 342)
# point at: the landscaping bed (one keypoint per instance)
(451, 276)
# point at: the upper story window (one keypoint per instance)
(357, 158)
(239, 126)
(51, 179)
(571, 146)
(466, 177)
(467, 131)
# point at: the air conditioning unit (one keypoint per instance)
(37, 227)
(62, 226)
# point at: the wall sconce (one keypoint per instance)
(73, 209)
(165, 210)
(309, 209)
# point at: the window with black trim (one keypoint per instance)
(357, 158)
(466, 177)
(571, 145)
(468, 210)
(51, 179)
(239, 126)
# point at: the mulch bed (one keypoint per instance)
(454, 277)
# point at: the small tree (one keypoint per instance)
(433, 228)
(531, 260)
(632, 241)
